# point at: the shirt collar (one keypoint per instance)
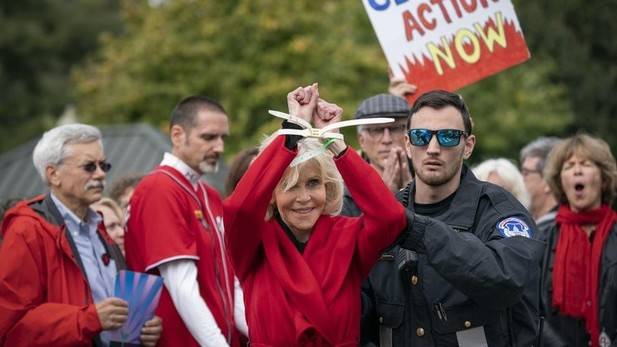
(186, 171)
(73, 222)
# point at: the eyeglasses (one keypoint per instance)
(378, 132)
(445, 137)
(90, 167)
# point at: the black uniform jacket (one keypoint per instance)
(560, 330)
(456, 272)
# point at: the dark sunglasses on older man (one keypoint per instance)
(90, 167)
(445, 137)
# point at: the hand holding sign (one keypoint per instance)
(398, 86)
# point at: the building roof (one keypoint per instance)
(131, 149)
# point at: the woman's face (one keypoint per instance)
(582, 183)
(113, 224)
(302, 204)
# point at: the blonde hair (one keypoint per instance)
(508, 172)
(112, 205)
(329, 172)
(586, 146)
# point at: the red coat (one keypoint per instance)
(44, 298)
(166, 223)
(310, 298)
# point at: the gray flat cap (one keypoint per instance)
(383, 105)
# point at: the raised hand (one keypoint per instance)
(399, 87)
(326, 113)
(112, 313)
(302, 101)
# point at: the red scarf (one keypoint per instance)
(576, 273)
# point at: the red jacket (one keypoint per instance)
(310, 298)
(44, 298)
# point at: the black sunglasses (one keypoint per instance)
(90, 167)
(445, 137)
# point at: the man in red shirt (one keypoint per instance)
(175, 228)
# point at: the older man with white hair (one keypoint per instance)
(58, 262)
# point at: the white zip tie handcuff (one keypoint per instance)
(323, 133)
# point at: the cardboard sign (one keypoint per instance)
(447, 44)
(141, 291)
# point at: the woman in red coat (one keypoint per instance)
(301, 266)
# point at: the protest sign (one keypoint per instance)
(447, 44)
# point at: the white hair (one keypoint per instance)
(508, 172)
(325, 162)
(51, 148)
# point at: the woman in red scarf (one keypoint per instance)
(300, 264)
(580, 295)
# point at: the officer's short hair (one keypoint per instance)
(51, 148)
(438, 99)
(186, 110)
(586, 146)
(539, 148)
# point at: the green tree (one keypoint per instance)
(579, 37)
(249, 54)
(39, 43)
(516, 106)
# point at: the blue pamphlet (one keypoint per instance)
(142, 292)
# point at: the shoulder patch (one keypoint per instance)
(513, 226)
(605, 341)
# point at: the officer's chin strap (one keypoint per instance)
(325, 132)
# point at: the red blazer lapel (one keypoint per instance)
(298, 282)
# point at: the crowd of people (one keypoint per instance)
(400, 243)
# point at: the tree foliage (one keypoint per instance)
(516, 106)
(250, 54)
(247, 54)
(579, 37)
(40, 41)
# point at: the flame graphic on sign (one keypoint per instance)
(424, 72)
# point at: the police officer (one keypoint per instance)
(466, 271)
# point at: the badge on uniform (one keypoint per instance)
(200, 217)
(472, 337)
(605, 341)
(513, 226)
